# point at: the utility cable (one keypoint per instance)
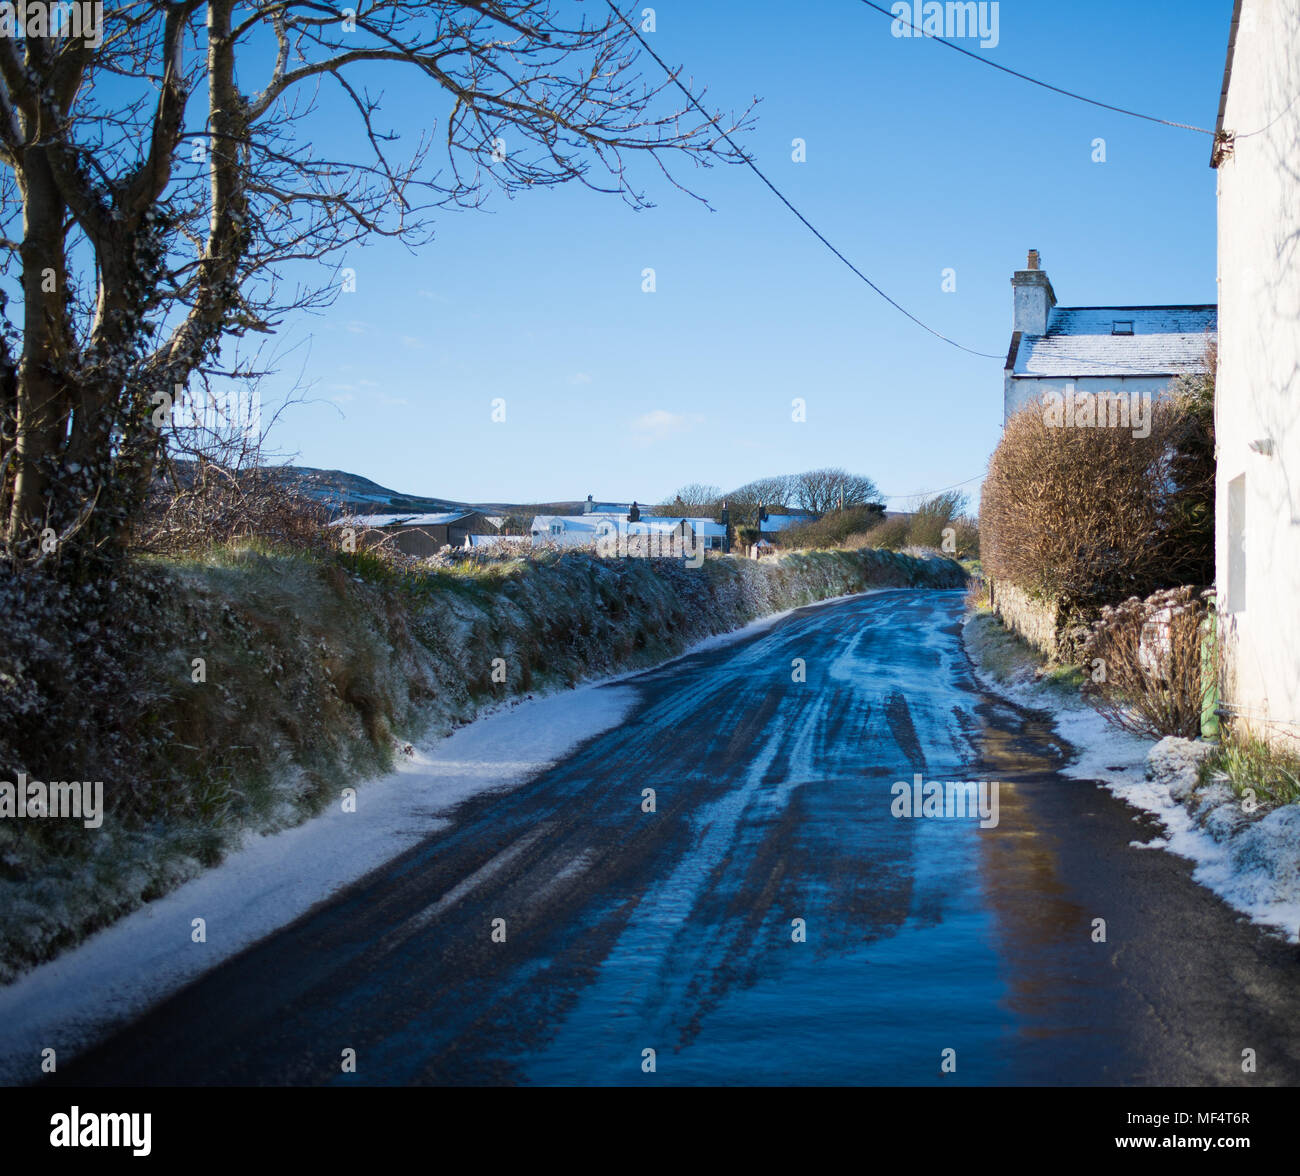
(1015, 73)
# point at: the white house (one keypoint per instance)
(568, 530)
(495, 542)
(1257, 395)
(592, 527)
(1133, 351)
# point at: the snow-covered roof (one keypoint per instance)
(776, 522)
(402, 520)
(569, 522)
(604, 522)
(495, 540)
(1082, 341)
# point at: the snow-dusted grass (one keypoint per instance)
(1250, 859)
(317, 673)
(1007, 659)
(268, 881)
(1256, 769)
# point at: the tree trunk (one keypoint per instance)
(41, 391)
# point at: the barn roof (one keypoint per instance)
(403, 520)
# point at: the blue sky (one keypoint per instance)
(917, 160)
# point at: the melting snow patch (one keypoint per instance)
(1252, 863)
(1173, 762)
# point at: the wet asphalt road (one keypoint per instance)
(671, 931)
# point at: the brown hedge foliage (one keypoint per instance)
(1083, 515)
(1145, 659)
(832, 529)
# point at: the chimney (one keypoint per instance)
(588, 506)
(1032, 298)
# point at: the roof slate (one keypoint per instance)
(1166, 341)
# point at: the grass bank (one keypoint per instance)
(239, 692)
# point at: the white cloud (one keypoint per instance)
(661, 424)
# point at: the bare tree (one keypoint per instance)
(823, 490)
(930, 517)
(745, 501)
(697, 496)
(157, 191)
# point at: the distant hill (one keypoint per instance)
(351, 493)
(347, 493)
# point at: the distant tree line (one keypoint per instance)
(815, 491)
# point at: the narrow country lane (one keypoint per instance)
(672, 930)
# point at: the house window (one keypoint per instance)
(1122, 327)
(557, 528)
(1237, 545)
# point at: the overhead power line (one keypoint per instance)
(1015, 73)
(749, 162)
(932, 493)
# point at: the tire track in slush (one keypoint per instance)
(672, 930)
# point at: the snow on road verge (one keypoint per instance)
(1253, 865)
(74, 1000)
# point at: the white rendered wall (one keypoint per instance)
(1258, 390)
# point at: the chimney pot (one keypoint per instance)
(1033, 259)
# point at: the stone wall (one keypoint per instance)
(1037, 621)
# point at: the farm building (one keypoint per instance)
(418, 535)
